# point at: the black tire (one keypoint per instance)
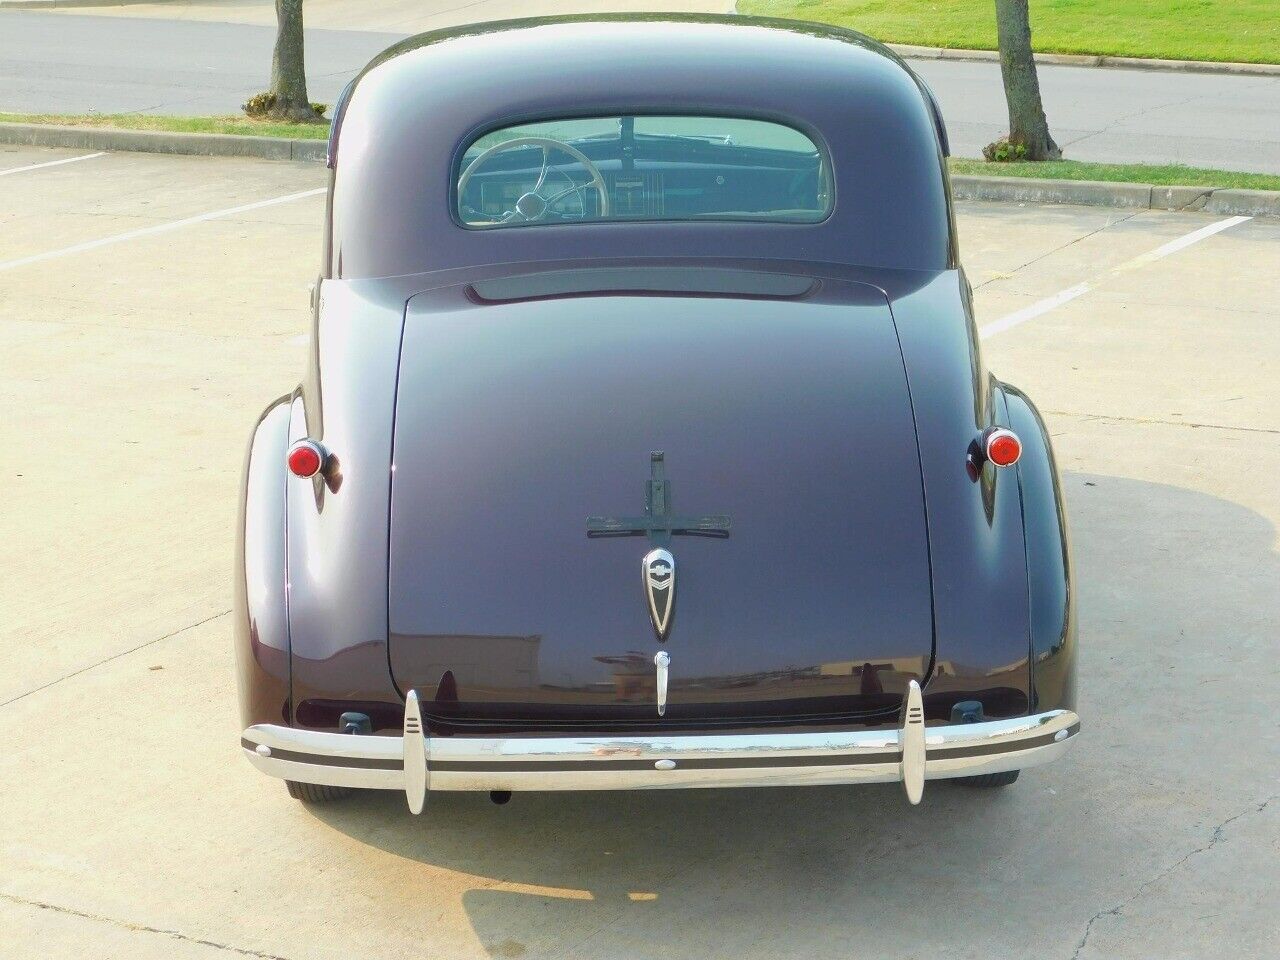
(316, 792)
(989, 779)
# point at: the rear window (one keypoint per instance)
(642, 168)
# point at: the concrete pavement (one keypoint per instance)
(131, 62)
(133, 829)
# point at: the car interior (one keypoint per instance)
(642, 168)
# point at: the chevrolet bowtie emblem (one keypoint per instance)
(659, 524)
(658, 570)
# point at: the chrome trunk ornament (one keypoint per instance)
(662, 660)
(659, 524)
(658, 573)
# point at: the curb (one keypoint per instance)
(1133, 196)
(909, 52)
(162, 141)
(1092, 193)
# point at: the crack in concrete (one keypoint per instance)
(1216, 838)
(1133, 116)
(1049, 253)
(1153, 420)
(114, 656)
(1110, 124)
(141, 927)
(93, 325)
(1101, 294)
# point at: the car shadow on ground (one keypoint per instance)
(630, 867)
(818, 871)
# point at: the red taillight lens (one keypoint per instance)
(1003, 447)
(306, 457)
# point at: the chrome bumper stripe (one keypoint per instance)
(358, 763)
(835, 759)
(722, 763)
(946, 753)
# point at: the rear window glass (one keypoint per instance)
(642, 168)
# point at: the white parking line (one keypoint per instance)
(1037, 308)
(51, 163)
(158, 228)
(1065, 296)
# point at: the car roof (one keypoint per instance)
(402, 125)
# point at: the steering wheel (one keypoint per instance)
(533, 206)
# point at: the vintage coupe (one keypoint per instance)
(645, 439)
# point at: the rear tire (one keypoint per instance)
(1003, 779)
(316, 792)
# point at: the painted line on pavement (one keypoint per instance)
(1037, 308)
(158, 228)
(1173, 246)
(1011, 320)
(52, 163)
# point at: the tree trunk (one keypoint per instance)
(288, 70)
(1027, 125)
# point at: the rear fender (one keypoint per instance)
(976, 552)
(260, 604)
(338, 523)
(1049, 584)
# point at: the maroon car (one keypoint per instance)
(645, 439)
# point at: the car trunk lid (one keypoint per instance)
(788, 417)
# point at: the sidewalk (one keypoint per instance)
(910, 52)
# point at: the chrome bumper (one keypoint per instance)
(418, 764)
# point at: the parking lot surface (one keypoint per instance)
(150, 307)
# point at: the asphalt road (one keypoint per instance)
(67, 63)
(137, 346)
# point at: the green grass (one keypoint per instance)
(1158, 174)
(1247, 31)
(133, 121)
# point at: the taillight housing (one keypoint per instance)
(306, 458)
(1002, 447)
